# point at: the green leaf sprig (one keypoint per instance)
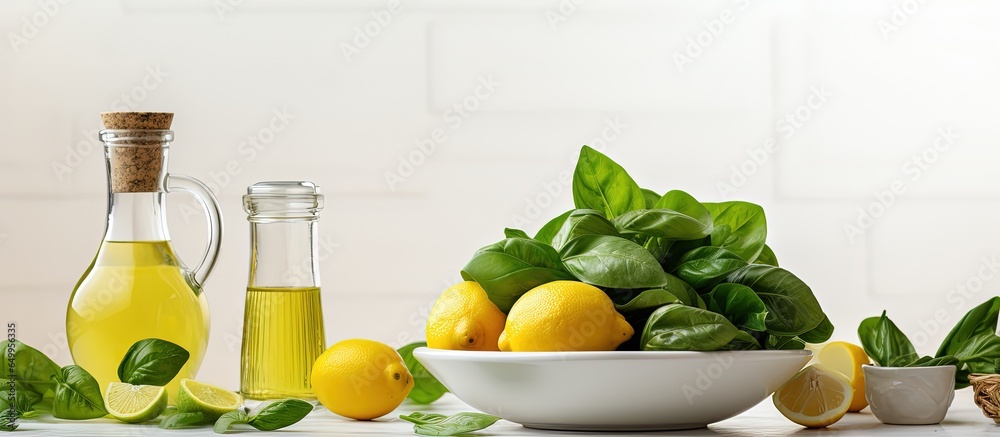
(431, 424)
(268, 417)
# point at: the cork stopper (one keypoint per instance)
(137, 120)
(136, 150)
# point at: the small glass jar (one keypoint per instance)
(283, 317)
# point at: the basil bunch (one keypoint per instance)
(972, 345)
(39, 385)
(71, 392)
(687, 275)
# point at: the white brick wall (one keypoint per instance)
(563, 79)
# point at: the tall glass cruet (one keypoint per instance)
(283, 317)
(136, 287)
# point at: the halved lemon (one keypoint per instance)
(847, 358)
(815, 397)
(135, 403)
(212, 401)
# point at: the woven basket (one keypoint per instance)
(987, 389)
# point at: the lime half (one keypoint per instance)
(212, 401)
(135, 403)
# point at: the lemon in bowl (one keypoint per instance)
(464, 318)
(564, 316)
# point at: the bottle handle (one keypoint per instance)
(213, 213)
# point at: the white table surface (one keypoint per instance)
(964, 418)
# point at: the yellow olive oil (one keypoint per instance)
(135, 290)
(282, 337)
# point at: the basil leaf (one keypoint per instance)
(670, 255)
(739, 304)
(514, 233)
(820, 333)
(979, 353)
(927, 361)
(77, 396)
(742, 341)
(550, 229)
(653, 298)
(792, 309)
(684, 203)
(973, 342)
(279, 414)
(426, 388)
(32, 369)
(705, 267)
(582, 222)
(662, 223)
(511, 267)
(152, 362)
(7, 423)
(607, 261)
(722, 235)
(905, 361)
(684, 328)
(226, 421)
(776, 342)
(747, 224)
(981, 320)
(684, 292)
(767, 257)
(423, 418)
(600, 183)
(650, 197)
(24, 399)
(184, 420)
(461, 423)
(884, 342)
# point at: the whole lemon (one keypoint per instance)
(464, 318)
(564, 316)
(361, 379)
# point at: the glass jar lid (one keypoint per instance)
(283, 200)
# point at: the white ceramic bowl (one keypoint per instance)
(613, 390)
(910, 395)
